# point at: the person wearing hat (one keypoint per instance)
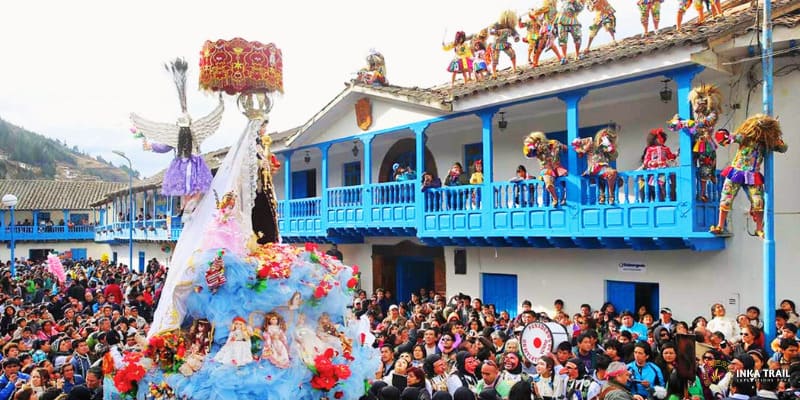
(666, 319)
(394, 317)
(616, 386)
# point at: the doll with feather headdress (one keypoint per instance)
(758, 135)
(548, 152)
(706, 103)
(601, 151)
(503, 29)
(188, 175)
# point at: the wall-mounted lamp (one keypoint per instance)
(502, 123)
(355, 148)
(666, 92)
(307, 157)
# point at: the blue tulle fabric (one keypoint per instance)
(261, 379)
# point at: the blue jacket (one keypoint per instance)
(649, 372)
(7, 387)
(69, 385)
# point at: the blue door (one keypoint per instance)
(412, 273)
(500, 290)
(114, 258)
(304, 184)
(141, 262)
(622, 295)
(78, 253)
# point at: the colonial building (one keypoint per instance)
(52, 216)
(503, 241)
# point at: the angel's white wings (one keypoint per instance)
(164, 133)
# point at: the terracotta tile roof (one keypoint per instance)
(57, 195)
(739, 16)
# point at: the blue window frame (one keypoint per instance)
(472, 153)
(78, 219)
(351, 173)
(44, 216)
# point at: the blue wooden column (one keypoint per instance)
(2, 218)
(102, 220)
(419, 152)
(572, 100)
(686, 178)
(366, 140)
(36, 221)
(323, 212)
(66, 220)
(487, 159)
(287, 180)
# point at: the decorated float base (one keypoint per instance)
(271, 325)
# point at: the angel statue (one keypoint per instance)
(188, 175)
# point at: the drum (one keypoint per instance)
(541, 338)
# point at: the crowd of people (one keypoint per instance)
(54, 335)
(432, 347)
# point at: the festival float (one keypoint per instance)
(241, 315)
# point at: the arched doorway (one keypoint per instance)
(403, 152)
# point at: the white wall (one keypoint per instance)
(21, 250)
(150, 249)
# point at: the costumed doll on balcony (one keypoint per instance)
(567, 23)
(604, 17)
(755, 137)
(548, 152)
(602, 150)
(236, 350)
(503, 29)
(656, 156)
(706, 106)
(188, 175)
(462, 62)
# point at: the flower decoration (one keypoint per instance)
(161, 391)
(168, 350)
(326, 373)
(238, 66)
(273, 262)
(127, 378)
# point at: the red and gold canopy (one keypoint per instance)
(237, 66)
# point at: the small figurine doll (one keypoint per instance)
(193, 362)
(276, 347)
(758, 135)
(706, 103)
(462, 62)
(503, 29)
(602, 151)
(329, 333)
(548, 152)
(656, 156)
(236, 350)
(215, 276)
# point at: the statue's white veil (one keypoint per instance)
(238, 174)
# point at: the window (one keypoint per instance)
(351, 173)
(79, 219)
(44, 216)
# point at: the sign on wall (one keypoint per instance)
(632, 267)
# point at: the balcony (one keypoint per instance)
(149, 230)
(43, 233)
(650, 213)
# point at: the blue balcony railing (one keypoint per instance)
(149, 230)
(45, 233)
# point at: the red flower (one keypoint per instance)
(311, 247)
(319, 292)
(263, 272)
(342, 371)
(157, 342)
(355, 269)
(338, 395)
(324, 383)
(352, 282)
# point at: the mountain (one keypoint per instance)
(28, 155)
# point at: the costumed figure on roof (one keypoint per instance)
(533, 28)
(648, 8)
(706, 106)
(482, 38)
(375, 71)
(502, 30)
(604, 17)
(548, 152)
(758, 135)
(479, 65)
(546, 40)
(282, 282)
(684, 6)
(601, 151)
(567, 23)
(188, 175)
(462, 62)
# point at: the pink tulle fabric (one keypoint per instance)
(54, 267)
